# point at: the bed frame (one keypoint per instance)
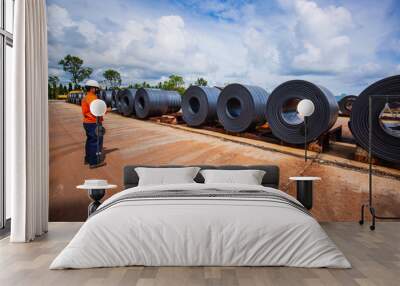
(270, 179)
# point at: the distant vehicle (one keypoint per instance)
(61, 96)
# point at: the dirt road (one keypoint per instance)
(129, 141)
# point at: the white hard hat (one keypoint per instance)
(92, 83)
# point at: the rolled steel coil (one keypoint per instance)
(106, 96)
(114, 100)
(119, 101)
(346, 103)
(102, 95)
(155, 102)
(199, 105)
(78, 98)
(81, 96)
(385, 144)
(241, 107)
(286, 123)
(127, 99)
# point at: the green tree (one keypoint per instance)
(113, 78)
(60, 89)
(70, 86)
(201, 82)
(143, 84)
(74, 65)
(53, 82)
(174, 82)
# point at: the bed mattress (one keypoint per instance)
(201, 225)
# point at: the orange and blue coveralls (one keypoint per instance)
(89, 124)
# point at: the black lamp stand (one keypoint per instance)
(98, 151)
(305, 138)
(369, 205)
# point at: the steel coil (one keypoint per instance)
(79, 97)
(155, 102)
(114, 99)
(127, 99)
(120, 103)
(345, 104)
(385, 135)
(286, 123)
(199, 105)
(106, 96)
(241, 107)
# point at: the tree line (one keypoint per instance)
(74, 66)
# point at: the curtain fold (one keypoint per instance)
(28, 148)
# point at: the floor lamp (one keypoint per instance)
(370, 205)
(305, 108)
(98, 108)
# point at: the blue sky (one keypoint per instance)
(342, 45)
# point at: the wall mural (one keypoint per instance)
(205, 85)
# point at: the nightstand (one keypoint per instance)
(96, 190)
(305, 190)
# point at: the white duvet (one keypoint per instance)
(200, 231)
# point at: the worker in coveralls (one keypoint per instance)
(93, 146)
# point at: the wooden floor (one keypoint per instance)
(375, 257)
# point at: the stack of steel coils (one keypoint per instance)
(119, 100)
(199, 105)
(345, 104)
(114, 100)
(79, 98)
(106, 96)
(385, 142)
(155, 102)
(241, 107)
(127, 101)
(286, 123)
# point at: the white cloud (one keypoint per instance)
(332, 45)
(58, 19)
(323, 33)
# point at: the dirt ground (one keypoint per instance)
(337, 197)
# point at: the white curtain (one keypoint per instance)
(27, 147)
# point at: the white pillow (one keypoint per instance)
(248, 177)
(166, 176)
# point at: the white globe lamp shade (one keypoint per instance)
(98, 107)
(305, 107)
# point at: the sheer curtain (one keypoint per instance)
(27, 124)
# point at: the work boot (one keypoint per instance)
(101, 164)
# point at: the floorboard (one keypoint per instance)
(375, 257)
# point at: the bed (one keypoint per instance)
(198, 224)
